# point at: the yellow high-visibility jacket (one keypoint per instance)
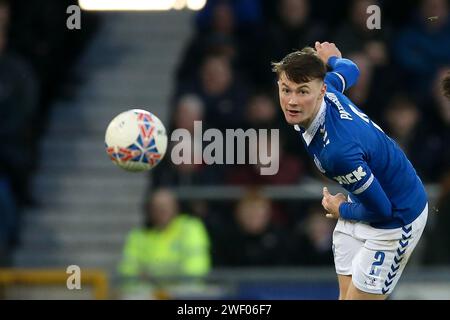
(180, 249)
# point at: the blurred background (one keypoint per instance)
(199, 231)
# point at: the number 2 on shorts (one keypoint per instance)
(379, 259)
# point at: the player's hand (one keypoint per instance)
(331, 203)
(325, 50)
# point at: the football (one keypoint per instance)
(136, 140)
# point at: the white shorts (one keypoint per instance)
(375, 258)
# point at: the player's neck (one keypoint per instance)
(314, 116)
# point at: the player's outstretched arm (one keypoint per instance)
(344, 72)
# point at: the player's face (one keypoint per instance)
(300, 102)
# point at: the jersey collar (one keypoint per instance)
(309, 133)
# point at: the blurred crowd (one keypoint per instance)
(37, 54)
(224, 79)
(175, 245)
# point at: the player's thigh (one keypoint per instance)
(354, 293)
(345, 248)
(344, 283)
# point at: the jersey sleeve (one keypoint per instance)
(344, 73)
(353, 173)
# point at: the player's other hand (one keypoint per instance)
(331, 203)
(325, 50)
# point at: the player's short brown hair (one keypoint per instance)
(301, 66)
(446, 85)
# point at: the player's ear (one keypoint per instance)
(323, 90)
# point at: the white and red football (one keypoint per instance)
(136, 140)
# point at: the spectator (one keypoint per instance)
(312, 239)
(189, 108)
(294, 29)
(402, 118)
(402, 124)
(368, 48)
(221, 92)
(446, 85)
(423, 46)
(374, 87)
(440, 98)
(252, 239)
(290, 168)
(439, 118)
(230, 28)
(172, 244)
(219, 39)
(261, 112)
(247, 13)
(360, 92)
(354, 35)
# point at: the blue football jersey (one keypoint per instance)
(352, 150)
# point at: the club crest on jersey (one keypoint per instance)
(318, 164)
(352, 177)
